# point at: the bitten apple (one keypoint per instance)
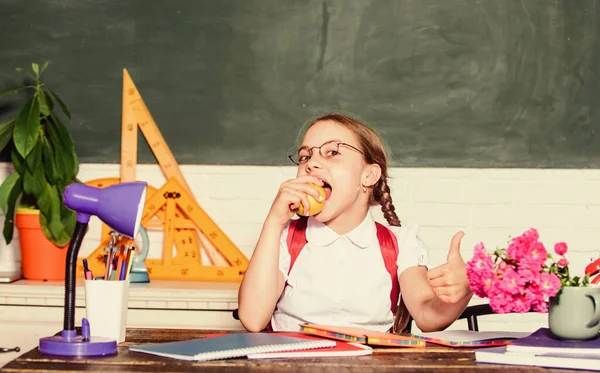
(315, 206)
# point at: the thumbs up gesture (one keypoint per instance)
(449, 281)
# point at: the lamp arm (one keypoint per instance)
(70, 272)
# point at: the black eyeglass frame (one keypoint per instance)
(310, 151)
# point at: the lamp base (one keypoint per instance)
(70, 344)
(138, 276)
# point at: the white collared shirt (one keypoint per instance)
(342, 280)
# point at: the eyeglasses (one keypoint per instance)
(328, 150)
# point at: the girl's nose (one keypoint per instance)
(314, 163)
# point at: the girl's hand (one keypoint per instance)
(449, 281)
(291, 194)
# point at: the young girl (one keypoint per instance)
(339, 277)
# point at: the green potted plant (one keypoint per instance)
(44, 159)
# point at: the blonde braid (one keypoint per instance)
(381, 194)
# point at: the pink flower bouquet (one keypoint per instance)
(518, 278)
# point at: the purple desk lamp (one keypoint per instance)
(120, 207)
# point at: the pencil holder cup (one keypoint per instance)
(106, 308)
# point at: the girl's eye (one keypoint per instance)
(332, 153)
(303, 158)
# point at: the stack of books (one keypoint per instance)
(542, 349)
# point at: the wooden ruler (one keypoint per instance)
(181, 208)
(136, 115)
(187, 232)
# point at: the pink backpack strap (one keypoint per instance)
(296, 239)
(389, 251)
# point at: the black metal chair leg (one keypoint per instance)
(472, 322)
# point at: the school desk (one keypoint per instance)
(432, 358)
(33, 309)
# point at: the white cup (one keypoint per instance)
(106, 308)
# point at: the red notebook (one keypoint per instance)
(340, 349)
(362, 336)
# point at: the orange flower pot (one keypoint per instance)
(40, 258)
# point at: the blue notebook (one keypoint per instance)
(230, 346)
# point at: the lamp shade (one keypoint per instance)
(119, 206)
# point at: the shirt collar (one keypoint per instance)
(362, 236)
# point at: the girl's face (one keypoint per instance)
(341, 166)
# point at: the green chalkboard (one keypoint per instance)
(450, 83)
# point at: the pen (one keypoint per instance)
(120, 264)
(87, 274)
(130, 261)
(123, 267)
(109, 264)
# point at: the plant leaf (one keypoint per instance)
(34, 159)
(44, 66)
(33, 183)
(6, 132)
(50, 129)
(10, 190)
(44, 200)
(61, 163)
(27, 127)
(62, 132)
(46, 104)
(46, 227)
(69, 220)
(39, 175)
(59, 230)
(9, 220)
(17, 161)
(36, 68)
(27, 176)
(49, 161)
(64, 163)
(66, 159)
(11, 90)
(62, 104)
(586, 280)
(50, 215)
(5, 189)
(75, 167)
(22, 70)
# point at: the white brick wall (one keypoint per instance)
(488, 204)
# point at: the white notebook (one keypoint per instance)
(499, 355)
(230, 346)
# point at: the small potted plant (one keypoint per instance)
(525, 277)
(44, 159)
